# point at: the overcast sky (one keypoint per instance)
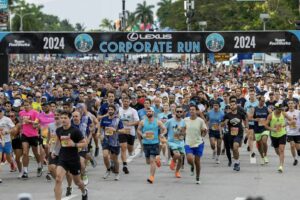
(89, 12)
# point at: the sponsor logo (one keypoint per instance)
(279, 42)
(149, 36)
(215, 42)
(19, 43)
(84, 43)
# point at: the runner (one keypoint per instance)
(70, 139)
(234, 120)
(260, 116)
(276, 123)
(293, 131)
(175, 131)
(215, 117)
(194, 144)
(6, 126)
(130, 119)
(149, 129)
(30, 138)
(111, 126)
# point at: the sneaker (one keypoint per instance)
(198, 182)
(236, 167)
(218, 161)
(69, 191)
(107, 174)
(13, 167)
(25, 176)
(93, 162)
(172, 165)
(117, 177)
(20, 175)
(280, 169)
(48, 177)
(85, 195)
(295, 162)
(39, 172)
(150, 180)
(85, 179)
(177, 175)
(96, 152)
(0, 180)
(266, 159)
(214, 155)
(125, 170)
(192, 171)
(229, 163)
(157, 161)
(262, 161)
(253, 155)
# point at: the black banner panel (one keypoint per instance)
(149, 42)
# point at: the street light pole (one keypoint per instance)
(264, 17)
(21, 15)
(203, 25)
(189, 6)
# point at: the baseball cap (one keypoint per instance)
(131, 88)
(162, 86)
(278, 105)
(90, 90)
(139, 85)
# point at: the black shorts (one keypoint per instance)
(83, 154)
(129, 139)
(72, 166)
(32, 141)
(17, 143)
(52, 161)
(111, 149)
(294, 138)
(278, 141)
(151, 150)
(214, 134)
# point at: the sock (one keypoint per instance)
(124, 163)
(26, 169)
(39, 165)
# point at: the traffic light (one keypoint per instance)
(297, 24)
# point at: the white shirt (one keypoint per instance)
(193, 131)
(129, 115)
(6, 124)
(292, 131)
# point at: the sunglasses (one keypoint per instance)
(179, 111)
(11, 116)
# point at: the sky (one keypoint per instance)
(88, 12)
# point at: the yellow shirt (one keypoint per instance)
(36, 106)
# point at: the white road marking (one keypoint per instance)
(70, 197)
(137, 152)
(240, 198)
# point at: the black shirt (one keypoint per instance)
(271, 105)
(235, 123)
(137, 106)
(241, 101)
(69, 153)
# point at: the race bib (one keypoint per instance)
(278, 127)
(53, 139)
(109, 131)
(149, 135)
(234, 131)
(261, 122)
(293, 125)
(65, 141)
(176, 136)
(215, 127)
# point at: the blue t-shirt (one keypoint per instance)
(214, 119)
(142, 113)
(116, 123)
(163, 117)
(173, 127)
(104, 109)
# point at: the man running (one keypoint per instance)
(70, 139)
(215, 117)
(234, 120)
(260, 116)
(276, 123)
(194, 144)
(149, 129)
(293, 133)
(175, 131)
(130, 119)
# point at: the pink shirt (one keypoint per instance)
(27, 129)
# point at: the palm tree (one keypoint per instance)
(80, 27)
(131, 20)
(163, 11)
(107, 24)
(144, 13)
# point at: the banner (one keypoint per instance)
(3, 15)
(3, 4)
(149, 42)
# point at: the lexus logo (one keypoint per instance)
(132, 37)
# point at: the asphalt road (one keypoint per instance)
(218, 181)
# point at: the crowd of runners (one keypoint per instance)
(67, 111)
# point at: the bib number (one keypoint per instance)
(109, 131)
(234, 131)
(261, 122)
(149, 135)
(215, 127)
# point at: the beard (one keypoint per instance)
(149, 116)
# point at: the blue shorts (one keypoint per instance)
(214, 134)
(7, 149)
(151, 150)
(196, 151)
(112, 149)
